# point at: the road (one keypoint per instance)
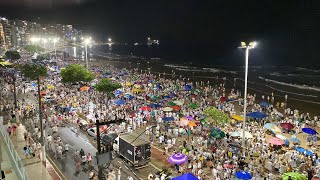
(66, 166)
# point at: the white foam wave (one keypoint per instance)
(306, 69)
(178, 66)
(215, 70)
(184, 69)
(288, 92)
(292, 85)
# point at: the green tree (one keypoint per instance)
(33, 48)
(13, 55)
(105, 85)
(216, 116)
(76, 73)
(35, 72)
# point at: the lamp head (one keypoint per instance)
(86, 41)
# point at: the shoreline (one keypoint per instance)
(292, 102)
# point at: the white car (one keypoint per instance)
(92, 132)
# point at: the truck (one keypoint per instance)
(135, 149)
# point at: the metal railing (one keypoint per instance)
(13, 155)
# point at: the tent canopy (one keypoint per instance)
(187, 176)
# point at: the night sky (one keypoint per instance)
(288, 31)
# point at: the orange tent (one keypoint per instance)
(176, 108)
(84, 88)
(42, 93)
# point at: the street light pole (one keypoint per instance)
(86, 42)
(245, 97)
(247, 47)
(54, 46)
(85, 47)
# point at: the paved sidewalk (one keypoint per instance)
(34, 166)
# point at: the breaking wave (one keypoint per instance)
(291, 85)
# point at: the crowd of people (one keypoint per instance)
(165, 106)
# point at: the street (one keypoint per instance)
(66, 165)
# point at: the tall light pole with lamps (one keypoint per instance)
(86, 43)
(247, 47)
(55, 40)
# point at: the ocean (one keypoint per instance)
(300, 84)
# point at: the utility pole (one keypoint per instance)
(100, 174)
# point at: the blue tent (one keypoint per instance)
(166, 97)
(119, 102)
(264, 104)
(167, 118)
(187, 87)
(159, 86)
(187, 176)
(243, 175)
(257, 115)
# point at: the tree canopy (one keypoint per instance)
(105, 85)
(13, 55)
(216, 116)
(33, 71)
(76, 73)
(33, 48)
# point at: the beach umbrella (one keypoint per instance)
(264, 104)
(223, 99)
(187, 87)
(243, 175)
(167, 109)
(42, 93)
(145, 108)
(246, 135)
(128, 84)
(234, 134)
(119, 102)
(178, 158)
(118, 92)
(269, 126)
(191, 124)
(84, 88)
(237, 117)
(33, 84)
(189, 117)
(300, 149)
(276, 141)
(257, 115)
(155, 97)
(193, 105)
(309, 131)
(179, 103)
(294, 176)
(176, 108)
(50, 87)
(187, 176)
(295, 140)
(217, 133)
(167, 118)
(287, 126)
(171, 103)
(154, 105)
(282, 137)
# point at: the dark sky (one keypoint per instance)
(288, 31)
